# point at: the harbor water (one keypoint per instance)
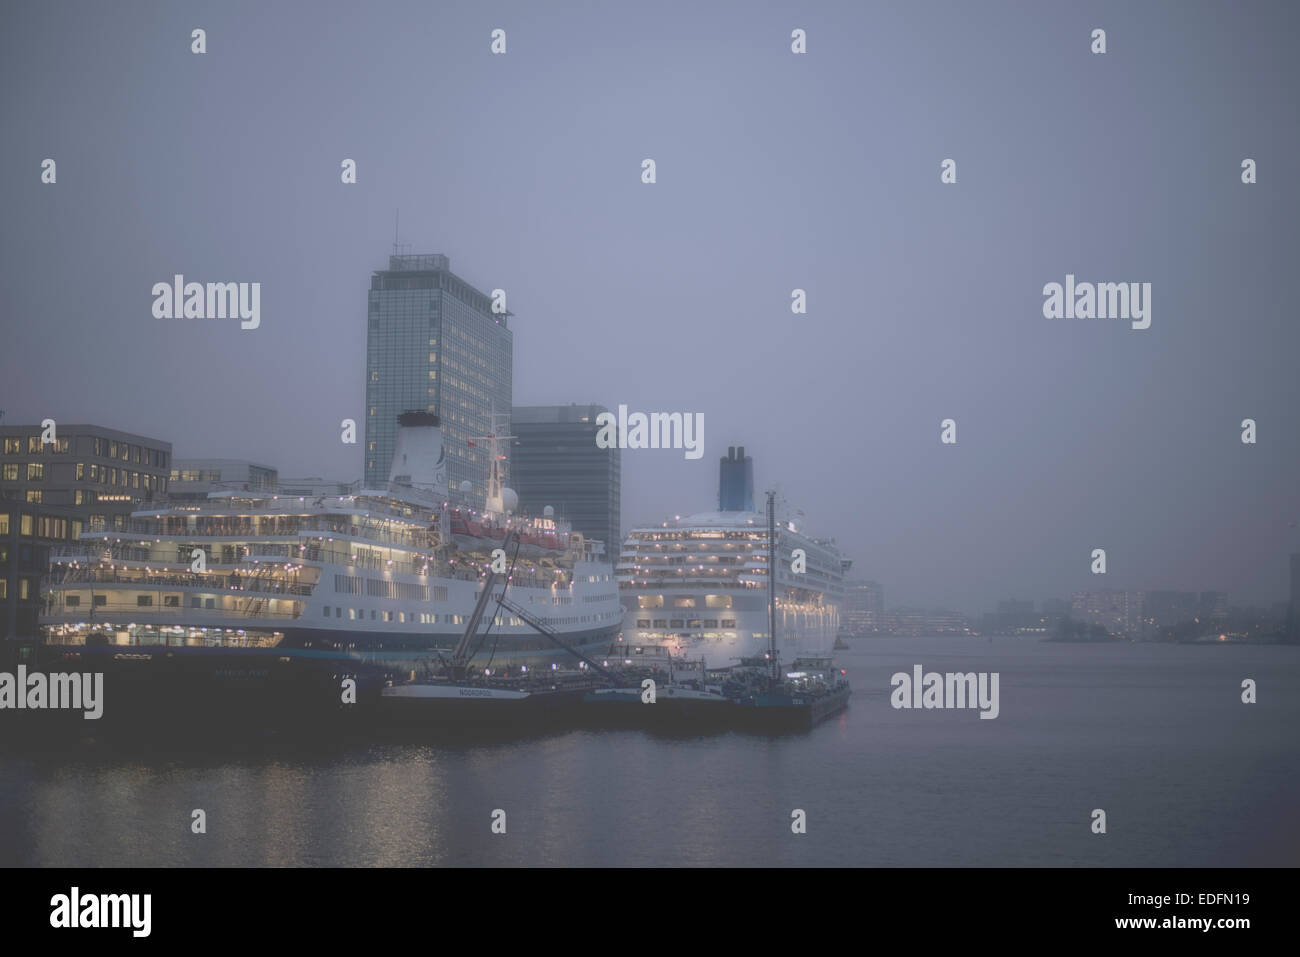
(1157, 736)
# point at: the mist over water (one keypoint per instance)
(1154, 734)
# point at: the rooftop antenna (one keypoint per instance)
(397, 219)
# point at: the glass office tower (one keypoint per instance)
(555, 461)
(433, 343)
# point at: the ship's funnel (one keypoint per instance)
(418, 457)
(736, 482)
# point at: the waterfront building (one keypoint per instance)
(104, 474)
(27, 531)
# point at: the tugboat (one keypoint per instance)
(659, 692)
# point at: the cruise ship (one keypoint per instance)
(376, 580)
(699, 584)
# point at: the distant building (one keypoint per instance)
(736, 481)
(863, 613)
(915, 622)
(1162, 609)
(1054, 608)
(102, 473)
(1212, 606)
(433, 343)
(1119, 612)
(1012, 617)
(555, 461)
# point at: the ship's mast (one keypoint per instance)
(494, 505)
(771, 584)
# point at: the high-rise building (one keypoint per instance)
(863, 613)
(736, 481)
(555, 461)
(433, 343)
(101, 473)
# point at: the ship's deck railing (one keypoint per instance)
(226, 497)
(222, 582)
(162, 635)
(253, 607)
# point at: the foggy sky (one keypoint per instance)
(775, 171)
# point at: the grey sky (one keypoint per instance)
(775, 171)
